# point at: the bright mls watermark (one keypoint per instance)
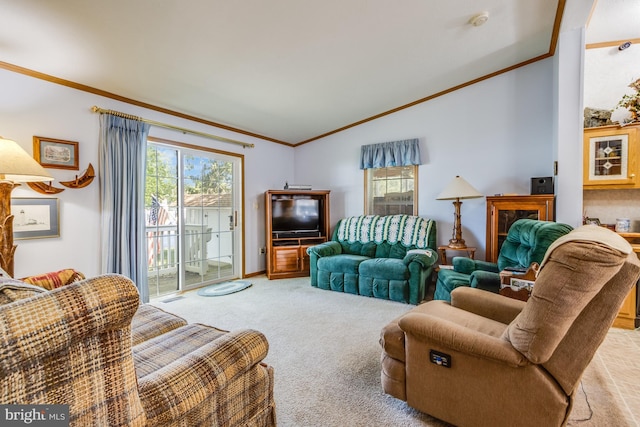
(34, 415)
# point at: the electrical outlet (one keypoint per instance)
(262, 251)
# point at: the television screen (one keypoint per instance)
(290, 215)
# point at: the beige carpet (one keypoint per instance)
(325, 352)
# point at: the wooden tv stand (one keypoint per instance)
(287, 252)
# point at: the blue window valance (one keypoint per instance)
(388, 154)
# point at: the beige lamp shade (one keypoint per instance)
(17, 166)
(459, 189)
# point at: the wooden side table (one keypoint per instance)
(442, 253)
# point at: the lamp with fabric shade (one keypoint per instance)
(16, 166)
(456, 190)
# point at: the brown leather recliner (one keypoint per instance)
(487, 360)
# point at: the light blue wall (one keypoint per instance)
(497, 134)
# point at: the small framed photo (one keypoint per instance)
(56, 153)
(594, 221)
(35, 218)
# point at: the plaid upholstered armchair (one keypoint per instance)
(91, 346)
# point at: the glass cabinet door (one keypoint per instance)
(506, 218)
(609, 157)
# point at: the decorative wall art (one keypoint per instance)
(35, 218)
(83, 180)
(56, 153)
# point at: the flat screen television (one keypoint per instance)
(295, 215)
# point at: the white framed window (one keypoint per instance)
(391, 190)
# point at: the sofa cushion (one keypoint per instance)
(150, 321)
(358, 248)
(384, 268)
(154, 354)
(341, 264)
(387, 250)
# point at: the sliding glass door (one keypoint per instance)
(193, 207)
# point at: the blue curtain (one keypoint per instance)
(387, 154)
(123, 144)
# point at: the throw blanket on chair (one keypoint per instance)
(405, 229)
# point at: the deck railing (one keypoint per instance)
(162, 249)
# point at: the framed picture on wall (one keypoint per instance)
(56, 153)
(35, 218)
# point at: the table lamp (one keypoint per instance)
(16, 166)
(456, 190)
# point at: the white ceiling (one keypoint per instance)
(287, 70)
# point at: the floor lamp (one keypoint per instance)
(456, 190)
(16, 166)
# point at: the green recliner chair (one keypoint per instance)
(526, 242)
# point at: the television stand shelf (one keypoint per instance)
(301, 219)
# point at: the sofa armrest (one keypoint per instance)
(185, 383)
(485, 280)
(425, 257)
(486, 304)
(325, 249)
(467, 265)
(64, 316)
(425, 327)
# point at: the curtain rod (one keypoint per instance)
(168, 126)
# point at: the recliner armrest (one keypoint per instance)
(485, 280)
(425, 257)
(325, 249)
(467, 265)
(486, 304)
(458, 338)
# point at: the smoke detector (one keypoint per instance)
(479, 19)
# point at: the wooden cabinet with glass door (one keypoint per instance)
(610, 157)
(503, 211)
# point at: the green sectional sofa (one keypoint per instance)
(389, 257)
